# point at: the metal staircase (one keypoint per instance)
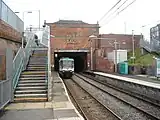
(32, 82)
(32, 85)
(28, 74)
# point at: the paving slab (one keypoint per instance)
(30, 114)
(65, 113)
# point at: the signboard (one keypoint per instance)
(157, 67)
(71, 50)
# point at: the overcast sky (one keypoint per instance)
(140, 13)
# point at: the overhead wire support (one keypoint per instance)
(120, 12)
(110, 9)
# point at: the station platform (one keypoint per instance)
(132, 78)
(60, 108)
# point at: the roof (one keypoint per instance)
(74, 23)
(66, 58)
(69, 22)
(120, 36)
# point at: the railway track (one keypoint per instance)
(89, 107)
(136, 95)
(150, 106)
(126, 104)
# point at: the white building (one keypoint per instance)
(121, 56)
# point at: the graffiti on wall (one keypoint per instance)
(71, 37)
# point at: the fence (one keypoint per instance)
(5, 92)
(5, 85)
(14, 68)
(152, 46)
(8, 16)
(145, 44)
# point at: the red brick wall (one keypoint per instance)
(2, 65)
(9, 38)
(120, 38)
(75, 37)
(7, 32)
(104, 65)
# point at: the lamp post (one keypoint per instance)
(133, 53)
(115, 46)
(31, 11)
(91, 50)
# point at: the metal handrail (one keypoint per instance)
(21, 59)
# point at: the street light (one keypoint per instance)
(133, 54)
(91, 49)
(31, 12)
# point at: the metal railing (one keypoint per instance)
(5, 85)
(5, 90)
(19, 64)
(49, 68)
(8, 16)
(21, 59)
(145, 44)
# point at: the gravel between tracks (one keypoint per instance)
(122, 109)
(145, 106)
(92, 109)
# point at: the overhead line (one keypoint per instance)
(126, 6)
(118, 8)
(120, 12)
(110, 9)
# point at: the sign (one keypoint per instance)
(71, 50)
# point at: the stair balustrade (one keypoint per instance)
(21, 59)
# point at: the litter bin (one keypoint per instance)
(123, 68)
(143, 70)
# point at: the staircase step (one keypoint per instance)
(32, 81)
(32, 84)
(39, 55)
(33, 72)
(40, 65)
(31, 87)
(33, 78)
(41, 75)
(35, 63)
(23, 100)
(30, 91)
(30, 95)
(37, 67)
(30, 99)
(38, 60)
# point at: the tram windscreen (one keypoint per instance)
(66, 64)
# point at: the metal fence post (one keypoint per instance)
(9, 70)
